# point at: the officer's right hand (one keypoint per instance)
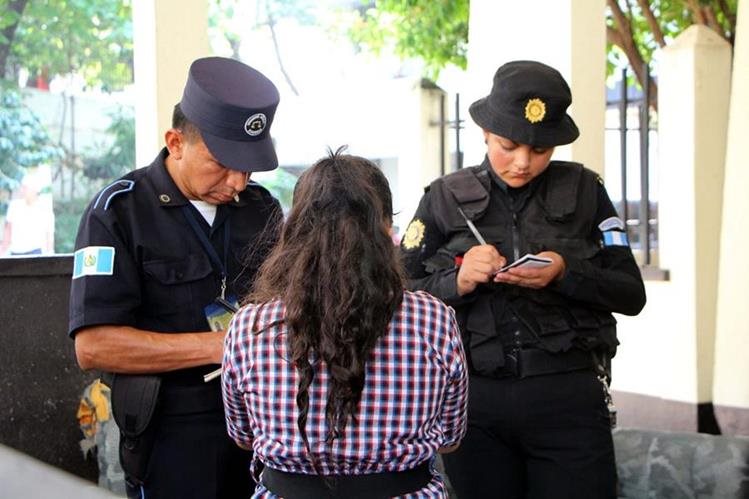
(480, 263)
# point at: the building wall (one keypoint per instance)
(41, 384)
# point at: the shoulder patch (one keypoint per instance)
(615, 238)
(611, 223)
(93, 260)
(113, 189)
(414, 234)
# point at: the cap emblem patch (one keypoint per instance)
(535, 110)
(414, 234)
(255, 124)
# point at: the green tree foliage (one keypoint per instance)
(119, 158)
(228, 20)
(92, 38)
(435, 31)
(281, 184)
(24, 141)
(636, 29)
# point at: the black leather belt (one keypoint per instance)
(369, 486)
(535, 362)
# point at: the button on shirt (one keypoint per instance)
(413, 402)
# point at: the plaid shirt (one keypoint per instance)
(413, 402)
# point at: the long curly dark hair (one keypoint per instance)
(337, 271)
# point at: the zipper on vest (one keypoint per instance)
(515, 237)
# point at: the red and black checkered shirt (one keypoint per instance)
(413, 402)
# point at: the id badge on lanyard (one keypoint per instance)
(220, 311)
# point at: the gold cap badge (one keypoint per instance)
(414, 234)
(535, 110)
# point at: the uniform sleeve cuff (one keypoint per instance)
(449, 290)
(113, 317)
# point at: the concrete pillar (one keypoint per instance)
(167, 36)
(731, 385)
(568, 35)
(668, 351)
(419, 159)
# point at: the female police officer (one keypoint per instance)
(538, 339)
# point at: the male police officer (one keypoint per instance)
(157, 252)
(537, 337)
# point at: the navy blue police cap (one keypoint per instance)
(232, 105)
(528, 105)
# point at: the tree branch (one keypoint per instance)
(730, 18)
(277, 49)
(625, 41)
(614, 37)
(697, 15)
(652, 22)
(9, 32)
(712, 22)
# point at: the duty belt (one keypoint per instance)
(525, 362)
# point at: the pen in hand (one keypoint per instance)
(472, 227)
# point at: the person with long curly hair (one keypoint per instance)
(343, 383)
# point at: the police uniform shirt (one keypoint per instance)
(161, 277)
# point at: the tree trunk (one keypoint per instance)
(9, 32)
(652, 22)
(621, 36)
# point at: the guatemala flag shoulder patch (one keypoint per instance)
(615, 238)
(93, 260)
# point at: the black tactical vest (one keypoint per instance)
(558, 216)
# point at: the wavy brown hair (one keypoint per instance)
(337, 272)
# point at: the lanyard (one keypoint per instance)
(208, 247)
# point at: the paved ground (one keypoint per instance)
(22, 476)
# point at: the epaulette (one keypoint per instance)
(113, 189)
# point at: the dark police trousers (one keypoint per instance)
(193, 456)
(539, 437)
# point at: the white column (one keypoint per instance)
(668, 351)
(568, 35)
(731, 389)
(167, 36)
(419, 148)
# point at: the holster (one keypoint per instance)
(134, 403)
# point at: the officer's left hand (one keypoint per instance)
(535, 278)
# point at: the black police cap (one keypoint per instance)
(233, 106)
(528, 105)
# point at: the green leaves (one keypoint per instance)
(60, 37)
(23, 139)
(435, 31)
(119, 157)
